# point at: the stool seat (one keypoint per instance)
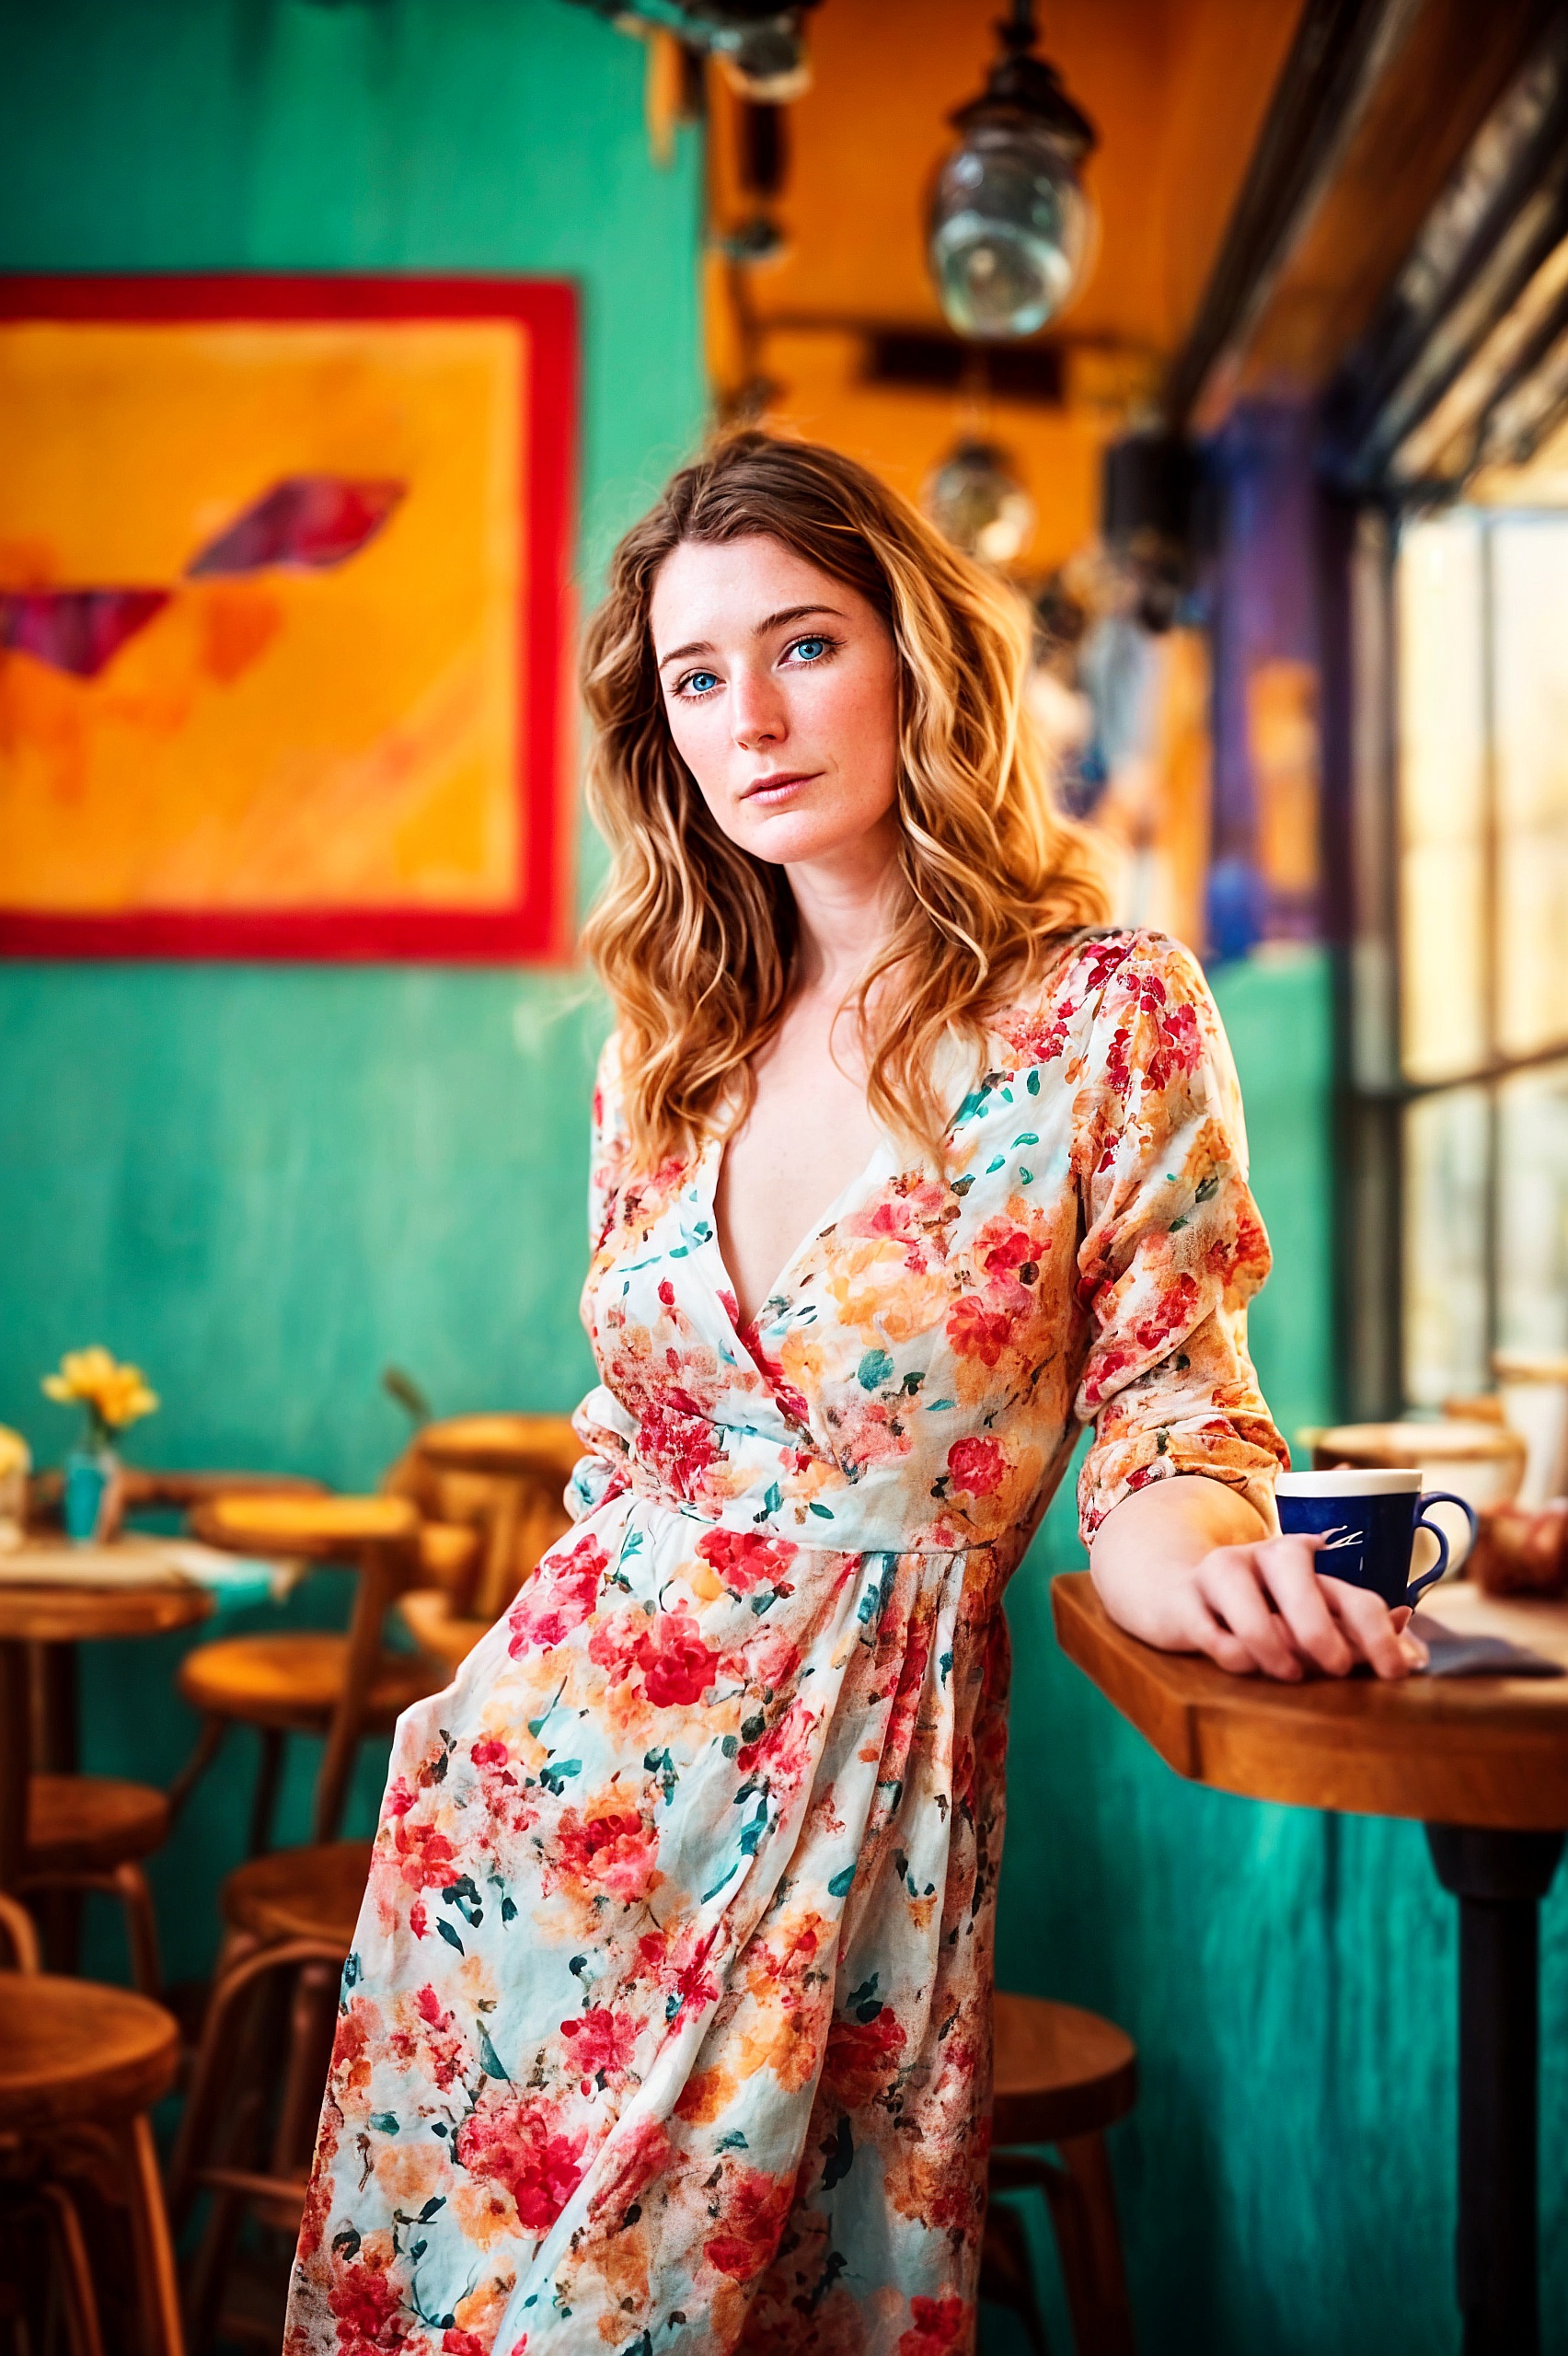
(516, 1444)
(1059, 2072)
(91, 1823)
(446, 1636)
(300, 1893)
(72, 2051)
(294, 1682)
(323, 1529)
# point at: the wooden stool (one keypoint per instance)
(1062, 2076)
(339, 1687)
(503, 1475)
(76, 2057)
(294, 1914)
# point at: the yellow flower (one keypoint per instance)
(15, 1454)
(116, 1394)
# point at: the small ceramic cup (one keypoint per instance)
(1368, 1522)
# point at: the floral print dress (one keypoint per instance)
(667, 2025)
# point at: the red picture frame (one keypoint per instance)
(536, 926)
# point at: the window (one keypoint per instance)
(1479, 859)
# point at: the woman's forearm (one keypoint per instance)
(1189, 1566)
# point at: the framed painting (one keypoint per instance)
(285, 616)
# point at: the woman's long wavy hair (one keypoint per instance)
(694, 937)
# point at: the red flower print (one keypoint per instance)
(489, 1753)
(783, 1753)
(667, 1293)
(436, 2045)
(1004, 1252)
(640, 2153)
(976, 1332)
(598, 2040)
(793, 1407)
(978, 1467)
(559, 1598)
(936, 2326)
(753, 2210)
(456, 2341)
(677, 1666)
(744, 1559)
(365, 2304)
(675, 1437)
(1174, 1315)
(679, 1965)
(861, 2058)
(519, 2144)
(426, 1858)
(614, 1851)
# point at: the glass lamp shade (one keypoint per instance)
(976, 500)
(1011, 231)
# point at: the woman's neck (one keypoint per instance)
(845, 909)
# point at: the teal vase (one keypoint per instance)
(90, 1471)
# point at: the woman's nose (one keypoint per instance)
(757, 711)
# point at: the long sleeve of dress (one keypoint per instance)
(1172, 1246)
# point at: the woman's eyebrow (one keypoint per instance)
(768, 622)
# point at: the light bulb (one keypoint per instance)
(1010, 232)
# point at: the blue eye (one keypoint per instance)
(699, 683)
(810, 650)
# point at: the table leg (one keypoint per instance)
(1499, 1879)
(60, 1746)
(16, 1758)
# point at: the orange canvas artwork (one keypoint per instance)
(282, 618)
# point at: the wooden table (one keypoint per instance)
(1482, 1763)
(44, 1621)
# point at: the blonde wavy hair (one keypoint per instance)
(694, 939)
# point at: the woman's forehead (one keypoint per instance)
(730, 587)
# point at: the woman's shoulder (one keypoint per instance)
(1106, 969)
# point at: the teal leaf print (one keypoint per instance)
(823, 1510)
(733, 2141)
(873, 1369)
(841, 1884)
(1033, 1083)
(490, 2060)
(384, 2121)
(999, 1163)
(1026, 1177)
(912, 1382)
(750, 1834)
(840, 2151)
(674, 2004)
(864, 1994)
(450, 1935)
(554, 1776)
(1027, 1136)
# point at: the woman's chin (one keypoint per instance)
(791, 838)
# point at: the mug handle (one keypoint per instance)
(1418, 1587)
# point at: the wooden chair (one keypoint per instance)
(80, 2067)
(498, 1481)
(1062, 2077)
(341, 1688)
(289, 1925)
(92, 1833)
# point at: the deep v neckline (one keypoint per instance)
(713, 1164)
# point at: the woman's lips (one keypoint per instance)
(779, 788)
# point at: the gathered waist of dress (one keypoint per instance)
(739, 1479)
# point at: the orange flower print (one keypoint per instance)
(752, 2208)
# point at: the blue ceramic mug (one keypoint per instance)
(1368, 1523)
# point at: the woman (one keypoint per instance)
(668, 2022)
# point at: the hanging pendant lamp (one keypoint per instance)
(1010, 235)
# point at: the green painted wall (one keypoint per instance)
(267, 1182)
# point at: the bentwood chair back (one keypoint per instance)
(339, 1687)
(501, 1477)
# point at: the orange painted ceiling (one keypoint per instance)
(1177, 90)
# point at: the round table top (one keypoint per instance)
(73, 1593)
(1482, 1751)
